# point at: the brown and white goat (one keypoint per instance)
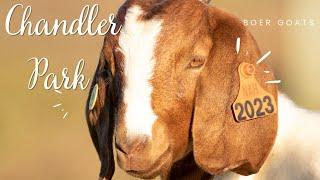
(166, 83)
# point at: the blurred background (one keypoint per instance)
(37, 143)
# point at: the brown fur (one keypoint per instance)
(195, 82)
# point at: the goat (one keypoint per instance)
(295, 154)
(164, 89)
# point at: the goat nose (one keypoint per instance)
(131, 146)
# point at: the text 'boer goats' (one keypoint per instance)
(182, 102)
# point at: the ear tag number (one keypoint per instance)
(93, 97)
(252, 101)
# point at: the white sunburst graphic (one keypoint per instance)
(263, 58)
(60, 105)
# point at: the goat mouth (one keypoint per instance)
(155, 169)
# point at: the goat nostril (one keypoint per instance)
(131, 146)
(120, 148)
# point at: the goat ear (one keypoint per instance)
(220, 143)
(99, 117)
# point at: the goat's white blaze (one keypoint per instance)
(137, 42)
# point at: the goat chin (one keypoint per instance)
(296, 153)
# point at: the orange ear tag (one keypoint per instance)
(252, 101)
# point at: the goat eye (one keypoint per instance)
(197, 62)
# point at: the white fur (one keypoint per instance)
(137, 42)
(296, 153)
